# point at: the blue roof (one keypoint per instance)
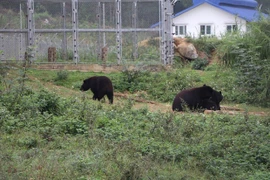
(249, 14)
(244, 3)
(245, 9)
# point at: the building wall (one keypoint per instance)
(207, 14)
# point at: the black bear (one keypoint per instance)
(203, 97)
(213, 103)
(100, 86)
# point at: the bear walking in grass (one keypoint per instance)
(203, 97)
(100, 86)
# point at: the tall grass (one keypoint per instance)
(248, 54)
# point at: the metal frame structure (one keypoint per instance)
(166, 12)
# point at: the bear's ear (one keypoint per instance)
(204, 85)
(220, 92)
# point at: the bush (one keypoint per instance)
(247, 56)
(61, 75)
(92, 140)
(48, 102)
(199, 64)
(162, 86)
(206, 44)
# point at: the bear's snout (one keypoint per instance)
(81, 89)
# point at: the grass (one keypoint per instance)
(220, 78)
(85, 139)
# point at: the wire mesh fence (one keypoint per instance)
(85, 31)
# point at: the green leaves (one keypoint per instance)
(199, 64)
(248, 56)
(99, 141)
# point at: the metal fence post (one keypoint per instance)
(118, 31)
(2, 47)
(98, 49)
(21, 36)
(75, 30)
(166, 33)
(134, 26)
(31, 30)
(169, 35)
(64, 41)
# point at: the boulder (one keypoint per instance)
(184, 48)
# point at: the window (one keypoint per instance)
(231, 28)
(181, 30)
(205, 29)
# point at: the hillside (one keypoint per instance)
(51, 130)
(137, 97)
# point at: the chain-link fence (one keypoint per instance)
(86, 31)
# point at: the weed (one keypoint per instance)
(199, 64)
(61, 75)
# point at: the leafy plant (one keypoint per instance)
(206, 44)
(48, 102)
(199, 64)
(61, 75)
(246, 54)
(83, 140)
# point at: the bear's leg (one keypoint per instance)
(110, 97)
(177, 104)
(94, 97)
(100, 95)
(217, 107)
(210, 105)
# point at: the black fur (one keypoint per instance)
(204, 97)
(100, 86)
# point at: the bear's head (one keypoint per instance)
(217, 98)
(84, 86)
(87, 84)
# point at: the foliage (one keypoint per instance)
(49, 136)
(92, 140)
(61, 75)
(48, 102)
(248, 55)
(199, 64)
(162, 86)
(3, 73)
(205, 44)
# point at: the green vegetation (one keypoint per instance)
(51, 130)
(248, 56)
(199, 64)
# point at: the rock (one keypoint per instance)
(185, 48)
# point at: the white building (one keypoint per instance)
(214, 18)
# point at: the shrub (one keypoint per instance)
(246, 54)
(206, 44)
(61, 75)
(199, 64)
(48, 102)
